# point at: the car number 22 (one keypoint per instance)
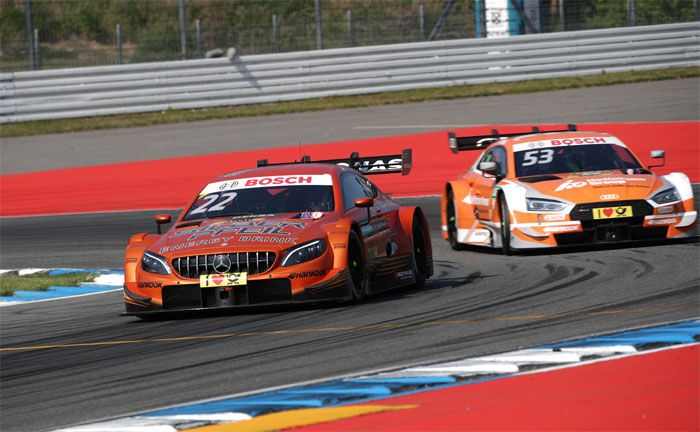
(210, 199)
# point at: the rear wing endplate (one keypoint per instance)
(367, 165)
(480, 142)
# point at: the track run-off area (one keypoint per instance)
(75, 360)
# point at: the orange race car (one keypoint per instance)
(546, 189)
(283, 233)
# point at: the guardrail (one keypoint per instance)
(190, 84)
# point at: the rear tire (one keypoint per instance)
(356, 266)
(420, 254)
(451, 214)
(505, 225)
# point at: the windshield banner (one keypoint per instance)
(269, 181)
(567, 141)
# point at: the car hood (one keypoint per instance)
(595, 186)
(232, 234)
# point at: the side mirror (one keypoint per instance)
(366, 202)
(161, 219)
(658, 154)
(489, 168)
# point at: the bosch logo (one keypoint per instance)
(609, 196)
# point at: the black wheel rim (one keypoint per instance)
(451, 219)
(355, 265)
(419, 250)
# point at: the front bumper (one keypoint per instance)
(258, 292)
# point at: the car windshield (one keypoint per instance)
(573, 158)
(262, 200)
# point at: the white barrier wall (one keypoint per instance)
(187, 84)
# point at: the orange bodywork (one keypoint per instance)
(201, 253)
(519, 205)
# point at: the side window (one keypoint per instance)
(353, 188)
(499, 156)
(370, 188)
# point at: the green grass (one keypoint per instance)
(467, 91)
(40, 282)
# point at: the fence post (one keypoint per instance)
(351, 43)
(421, 21)
(120, 58)
(37, 52)
(631, 13)
(183, 29)
(562, 19)
(30, 33)
(275, 34)
(198, 37)
(481, 28)
(319, 36)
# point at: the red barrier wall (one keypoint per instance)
(170, 183)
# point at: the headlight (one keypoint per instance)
(541, 204)
(666, 196)
(305, 252)
(154, 263)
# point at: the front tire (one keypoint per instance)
(356, 267)
(451, 213)
(420, 254)
(505, 225)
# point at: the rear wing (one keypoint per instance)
(368, 165)
(480, 142)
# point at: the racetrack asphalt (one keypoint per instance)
(478, 302)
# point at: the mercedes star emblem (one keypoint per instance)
(222, 264)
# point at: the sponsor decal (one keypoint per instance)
(316, 215)
(267, 239)
(377, 165)
(560, 229)
(666, 221)
(610, 196)
(241, 227)
(131, 260)
(554, 217)
(612, 212)
(306, 274)
(191, 244)
(223, 280)
(340, 245)
(256, 182)
(404, 274)
(666, 209)
(567, 141)
(601, 182)
(150, 284)
(305, 215)
(570, 141)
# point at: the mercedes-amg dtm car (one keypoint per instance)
(537, 190)
(282, 233)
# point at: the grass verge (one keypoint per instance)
(338, 102)
(40, 282)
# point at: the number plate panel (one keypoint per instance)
(612, 212)
(220, 280)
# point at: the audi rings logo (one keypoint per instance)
(222, 264)
(227, 185)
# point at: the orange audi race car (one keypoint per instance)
(282, 233)
(558, 188)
